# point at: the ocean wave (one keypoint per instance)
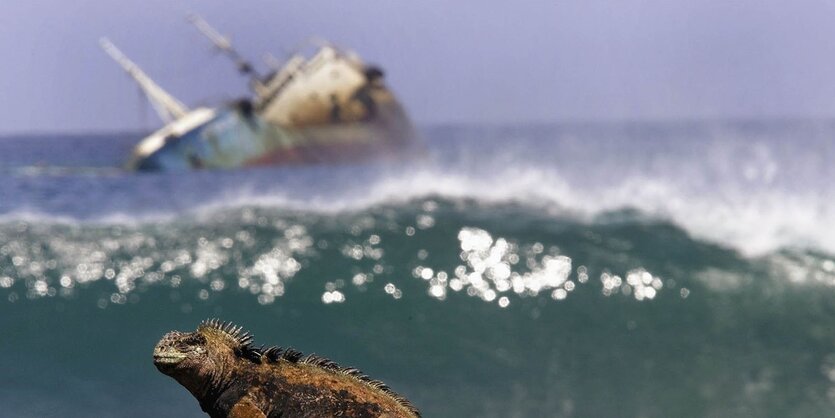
(754, 189)
(751, 222)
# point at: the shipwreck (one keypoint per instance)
(325, 107)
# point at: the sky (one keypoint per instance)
(459, 61)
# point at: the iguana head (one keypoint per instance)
(203, 355)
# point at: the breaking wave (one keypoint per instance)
(756, 188)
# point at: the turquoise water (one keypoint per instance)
(640, 270)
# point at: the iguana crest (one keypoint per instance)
(231, 377)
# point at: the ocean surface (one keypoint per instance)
(569, 270)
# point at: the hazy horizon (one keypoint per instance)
(468, 62)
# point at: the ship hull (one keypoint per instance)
(232, 137)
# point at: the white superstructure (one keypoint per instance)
(304, 92)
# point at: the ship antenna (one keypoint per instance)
(224, 45)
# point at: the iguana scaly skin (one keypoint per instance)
(231, 378)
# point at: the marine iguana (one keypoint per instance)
(232, 378)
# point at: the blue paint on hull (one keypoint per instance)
(229, 139)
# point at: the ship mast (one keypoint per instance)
(224, 45)
(168, 108)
